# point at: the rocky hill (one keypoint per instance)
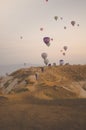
(51, 82)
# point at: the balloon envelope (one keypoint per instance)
(44, 55)
(61, 50)
(73, 23)
(55, 17)
(65, 48)
(65, 27)
(46, 61)
(41, 29)
(47, 40)
(61, 18)
(64, 53)
(51, 39)
(21, 37)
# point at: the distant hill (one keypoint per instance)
(68, 81)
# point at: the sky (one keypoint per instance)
(26, 17)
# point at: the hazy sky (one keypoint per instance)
(26, 17)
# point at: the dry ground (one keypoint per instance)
(55, 101)
(24, 112)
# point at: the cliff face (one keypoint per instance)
(49, 83)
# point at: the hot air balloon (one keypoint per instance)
(21, 37)
(63, 53)
(49, 64)
(51, 39)
(61, 62)
(44, 55)
(41, 29)
(78, 25)
(73, 23)
(65, 27)
(61, 18)
(46, 61)
(56, 17)
(47, 40)
(65, 48)
(61, 50)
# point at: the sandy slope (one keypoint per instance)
(55, 82)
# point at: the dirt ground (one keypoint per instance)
(29, 113)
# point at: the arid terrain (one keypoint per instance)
(54, 100)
